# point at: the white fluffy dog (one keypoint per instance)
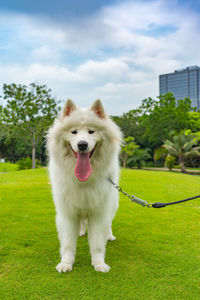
(83, 147)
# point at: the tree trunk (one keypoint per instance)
(124, 162)
(34, 144)
(33, 156)
(183, 170)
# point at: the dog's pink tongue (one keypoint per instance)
(83, 168)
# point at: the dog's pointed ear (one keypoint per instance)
(68, 108)
(98, 109)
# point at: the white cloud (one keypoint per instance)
(110, 69)
(86, 83)
(120, 51)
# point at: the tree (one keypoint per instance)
(28, 111)
(127, 149)
(128, 122)
(194, 121)
(160, 117)
(160, 154)
(154, 120)
(139, 157)
(182, 147)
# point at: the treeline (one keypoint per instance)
(149, 130)
(27, 112)
(25, 116)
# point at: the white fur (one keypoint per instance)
(92, 203)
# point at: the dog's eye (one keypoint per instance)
(74, 131)
(90, 131)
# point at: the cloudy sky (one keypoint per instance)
(88, 49)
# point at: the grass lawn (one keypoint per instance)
(156, 254)
(8, 167)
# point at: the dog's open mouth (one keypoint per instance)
(83, 168)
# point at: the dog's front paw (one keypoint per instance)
(64, 267)
(102, 268)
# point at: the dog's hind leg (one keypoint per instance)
(111, 237)
(83, 227)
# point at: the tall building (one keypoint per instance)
(182, 83)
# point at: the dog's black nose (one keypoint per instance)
(82, 145)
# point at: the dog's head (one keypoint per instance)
(85, 137)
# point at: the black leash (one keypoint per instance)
(160, 205)
(145, 203)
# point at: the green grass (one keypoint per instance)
(156, 254)
(8, 167)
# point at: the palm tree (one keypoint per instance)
(139, 156)
(160, 154)
(182, 146)
(127, 149)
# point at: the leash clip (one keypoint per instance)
(139, 201)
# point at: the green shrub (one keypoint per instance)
(177, 167)
(25, 163)
(169, 161)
